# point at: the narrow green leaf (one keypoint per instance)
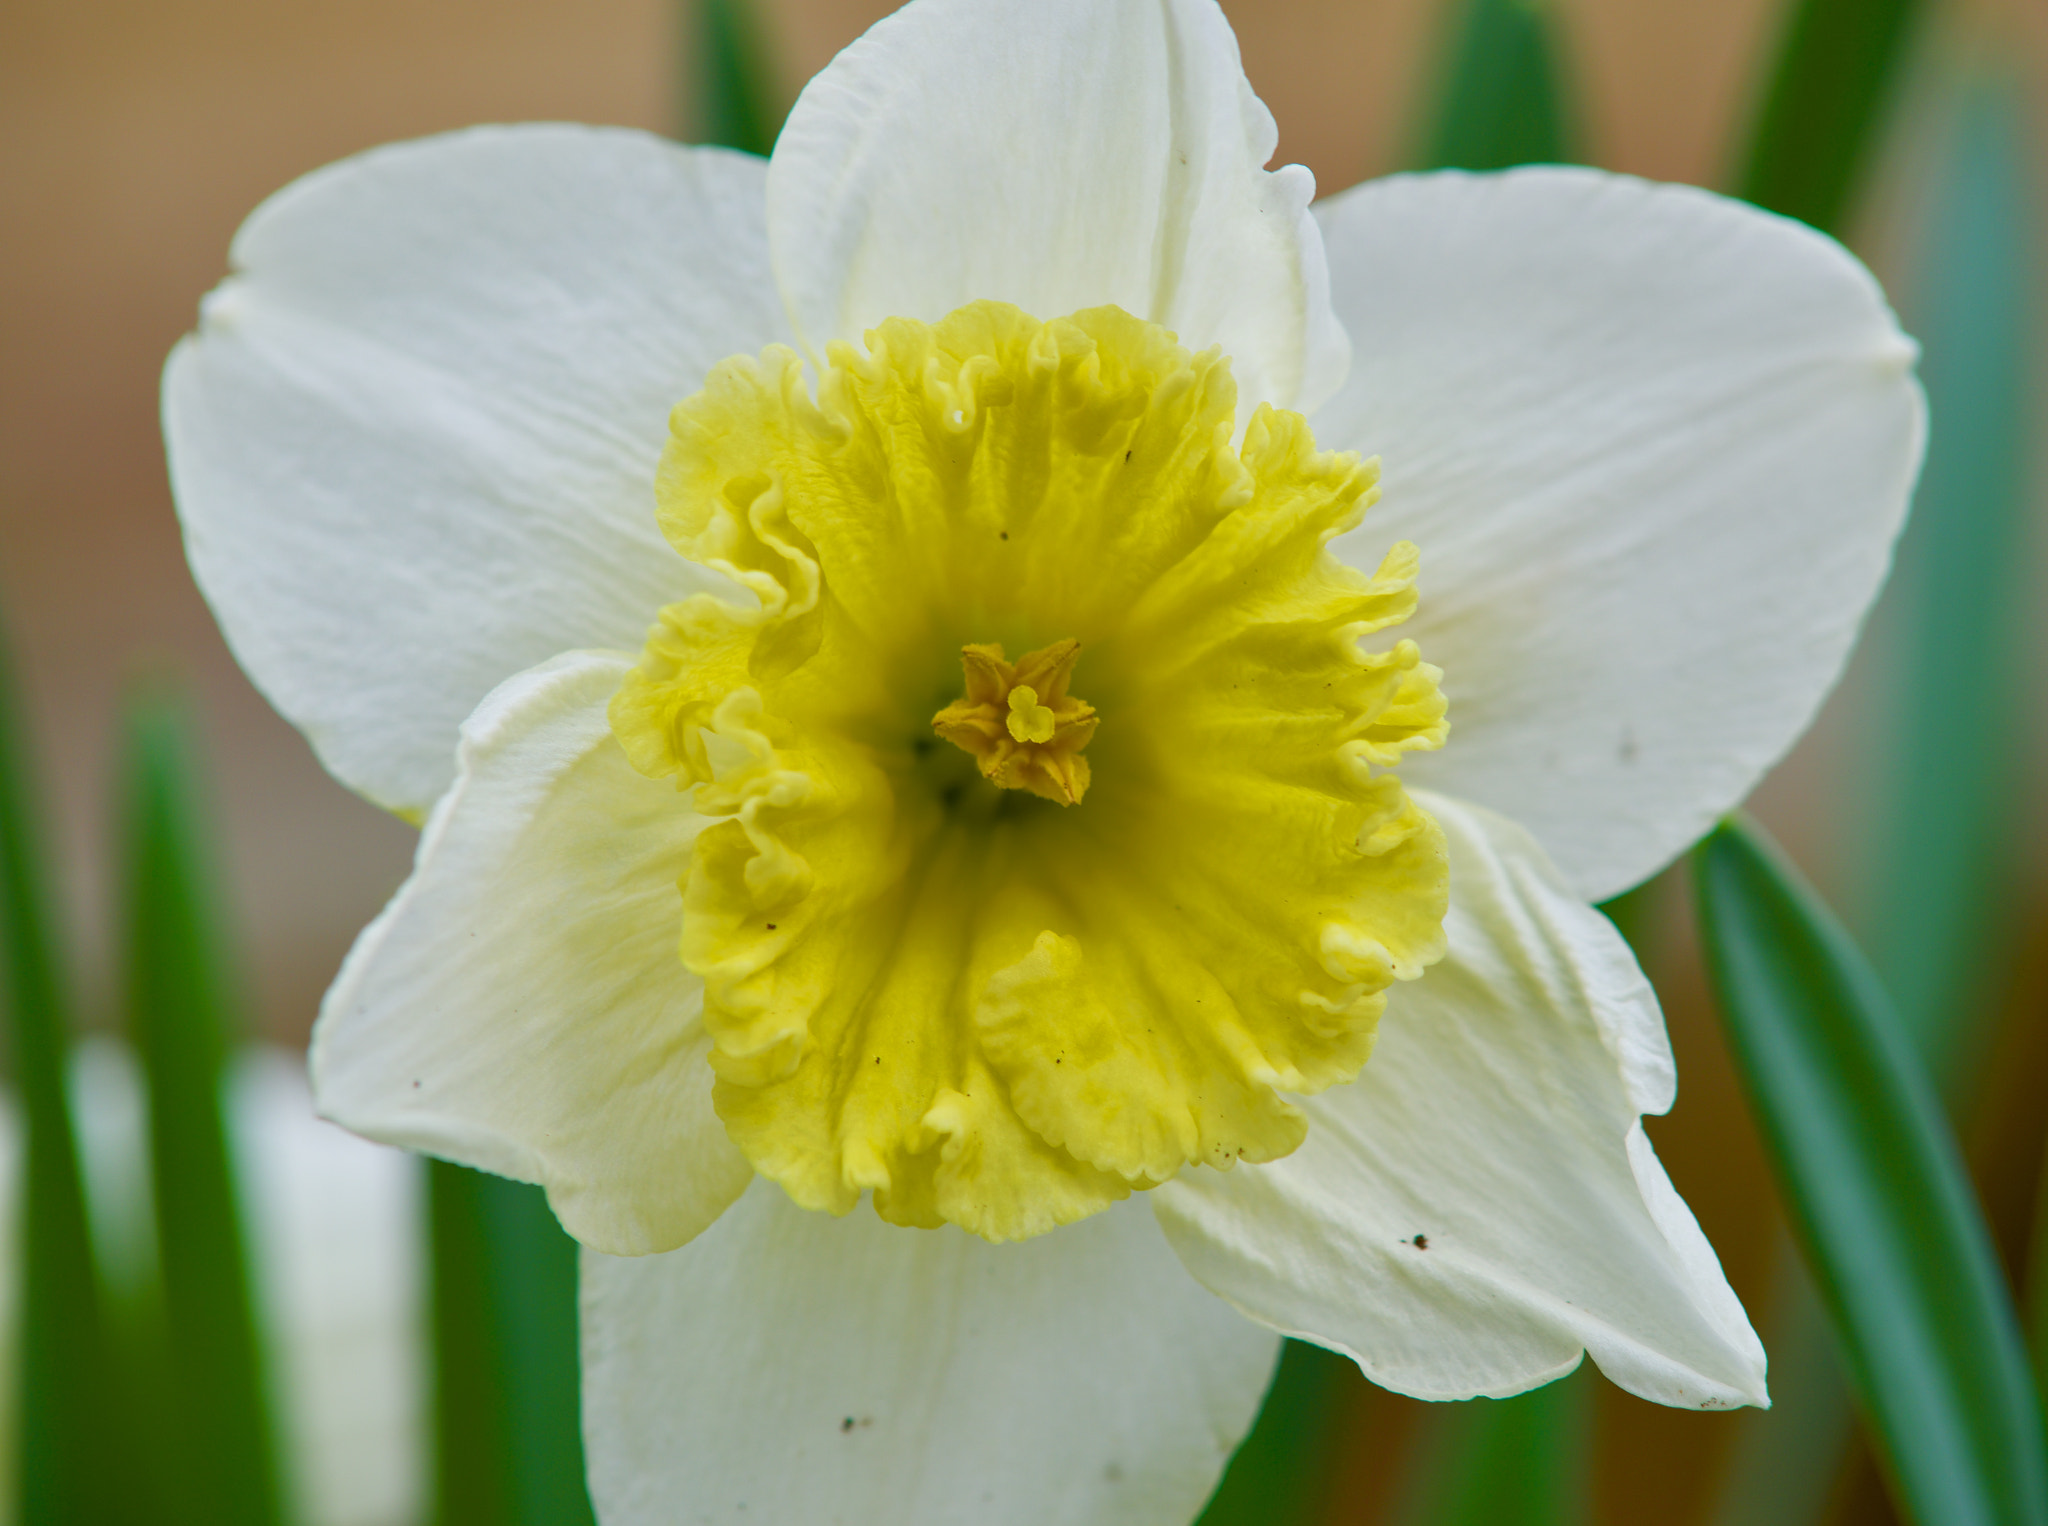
(64, 1376)
(224, 1465)
(533, 1280)
(1878, 1195)
(1501, 103)
(1281, 1473)
(505, 1355)
(471, 1487)
(1809, 150)
(1507, 1462)
(1941, 858)
(1934, 860)
(735, 86)
(2037, 1282)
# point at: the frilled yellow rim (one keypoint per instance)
(950, 958)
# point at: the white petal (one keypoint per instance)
(521, 1006)
(1655, 446)
(335, 1229)
(414, 439)
(788, 1366)
(1482, 1202)
(1058, 155)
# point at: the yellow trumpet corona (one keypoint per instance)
(1003, 1007)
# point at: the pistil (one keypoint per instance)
(1017, 721)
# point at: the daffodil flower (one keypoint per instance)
(910, 709)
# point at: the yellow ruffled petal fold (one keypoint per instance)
(938, 968)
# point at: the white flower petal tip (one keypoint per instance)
(1058, 156)
(1482, 1204)
(798, 1367)
(414, 440)
(1656, 446)
(519, 1006)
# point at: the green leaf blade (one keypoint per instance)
(223, 1463)
(2037, 1282)
(509, 1446)
(1507, 1462)
(1809, 150)
(64, 1374)
(1281, 1471)
(1502, 101)
(1934, 860)
(1878, 1194)
(470, 1484)
(735, 89)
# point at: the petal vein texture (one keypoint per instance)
(790, 1367)
(413, 439)
(1658, 445)
(1482, 1203)
(1058, 156)
(519, 1007)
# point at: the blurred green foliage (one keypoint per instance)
(1939, 855)
(2037, 1285)
(1281, 1470)
(1506, 1462)
(218, 1459)
(503, 1300)
(1502, 101)
(65, 1380)
(1933, 859)
(734, 102)
(1881, 1202)
(1823, 106)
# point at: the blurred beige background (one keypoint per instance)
(136, 134)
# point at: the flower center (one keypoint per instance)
(1019, 724)
(984, 1006)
